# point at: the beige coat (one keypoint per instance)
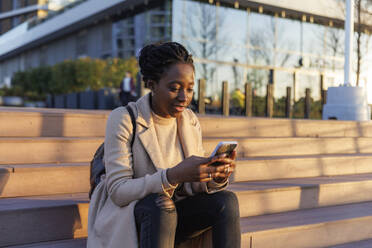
(111, 222)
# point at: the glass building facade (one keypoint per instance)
(131, 34)
(240, 45)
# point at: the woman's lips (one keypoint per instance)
(179, 108)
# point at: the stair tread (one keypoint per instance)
(251, 139)
(238, 187)
(71, 243)
(246, 186)
(51, 111)
(359, 244)
(265, 139)
(306, 217)
(299, 182)
(41, 139)
(214, 139)
(30, 202)
(30, 167)
(308, 156)
(249, 224)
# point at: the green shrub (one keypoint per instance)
(70, 76)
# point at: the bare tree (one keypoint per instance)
(362, 10)
(235, 73)
(363, 13)
(202, 25)
(269, 42)
(267, 45)
(333, 39)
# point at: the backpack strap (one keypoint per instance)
(133, 119)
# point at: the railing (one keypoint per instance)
(249, 103)
(109, 99)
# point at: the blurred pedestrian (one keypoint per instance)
(127, 89)
(237, 101)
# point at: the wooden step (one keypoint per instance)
(255, 197)
(319, 227)
(32, 122)
(269, 168)
(359, 244)
(45, 218)
(44, 179)
(67, 150)
(42, 219)
(269, 147)
(72, 243)
(220, 126)
(47, 150)
(275, 196)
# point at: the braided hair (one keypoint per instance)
(154, 59)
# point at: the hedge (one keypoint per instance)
(70, 76)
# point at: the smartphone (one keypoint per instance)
(224, 147)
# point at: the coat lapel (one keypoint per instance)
(188, 135)
(147, 133)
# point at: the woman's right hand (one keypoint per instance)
(197, 169)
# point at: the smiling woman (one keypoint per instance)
(173, 92)
(162, 191)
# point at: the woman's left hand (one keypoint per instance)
(223, 176)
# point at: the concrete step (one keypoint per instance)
(63, 178)
(269, 147)
(256, 197)
(31, 122)
(72, 243)
(47, 150)
(66, 150)
(359, 244)
(275, 196)
(219, 126)
(321, 227)
(45, 218)
(44, 179)
(269, 168)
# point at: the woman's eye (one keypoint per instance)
(174, 89)
(190, 90)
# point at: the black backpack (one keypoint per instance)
(97, 165)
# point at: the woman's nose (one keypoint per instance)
(182, 95)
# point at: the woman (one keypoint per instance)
(162, 190)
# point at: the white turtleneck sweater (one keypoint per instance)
(171, 149)
(170, 146)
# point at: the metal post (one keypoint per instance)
(294, 86)
(324, 100)
(288, 103)
(349, 35)
(248, 99)
(269, 101)
(321, 85)
(201, 94)
(225, 98)
(307, 104)
(272, 78)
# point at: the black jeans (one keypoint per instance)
(163, 227)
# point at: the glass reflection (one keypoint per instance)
(239, 46)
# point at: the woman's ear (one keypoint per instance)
(150, 84)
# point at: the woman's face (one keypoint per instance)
(174, 91)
